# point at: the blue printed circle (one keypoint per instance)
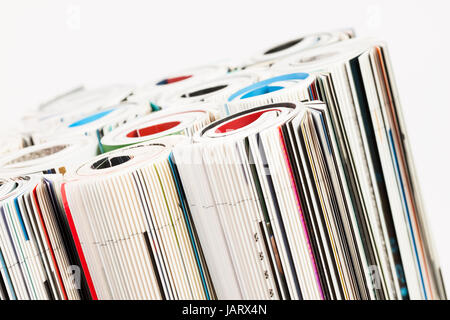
(264, 87)
(91, 118)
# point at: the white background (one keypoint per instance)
(47, 47)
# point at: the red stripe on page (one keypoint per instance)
(77, 243)
(299, 206)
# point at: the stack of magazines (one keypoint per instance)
(286, 175)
